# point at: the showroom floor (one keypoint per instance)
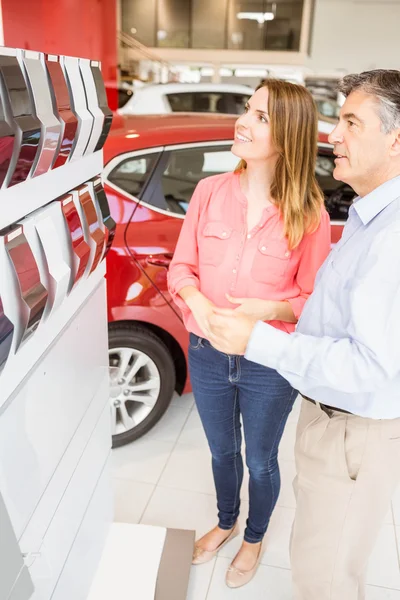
(165, 479)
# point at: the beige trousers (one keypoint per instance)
(347, 470)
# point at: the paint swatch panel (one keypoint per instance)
(95, 230)
(80, 248)
(43, 109)
(6, 144)
(6, 335)
(102, 99)
(62, 102)
(109, 223)
(23, 116)
(33, 293)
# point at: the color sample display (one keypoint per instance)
(109, 223)
(43, 109)
(6, 335)
(95, 230)
(71, 70)
(58, 274)
(22, 113)
(92, 104)
(62, 103)
(33, 294)
(80, 248)
(6, 144)
(102, 100)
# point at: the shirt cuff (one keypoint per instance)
(193, 281)
(267, 345)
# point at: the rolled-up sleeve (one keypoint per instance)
(316, 248)
(184, 267)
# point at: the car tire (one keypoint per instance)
(143, 343)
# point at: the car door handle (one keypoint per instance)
(160, 260)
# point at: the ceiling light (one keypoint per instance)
(256, 16)
(207, 71)
(243, 72)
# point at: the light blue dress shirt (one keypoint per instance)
(345, 351)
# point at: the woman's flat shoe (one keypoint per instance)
(201, 556)
(236, 578)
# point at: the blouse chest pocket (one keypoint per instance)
(271, 262)
(214, 242)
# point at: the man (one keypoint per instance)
(344, 357)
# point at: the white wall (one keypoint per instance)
(356, 35)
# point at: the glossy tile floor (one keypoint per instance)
(165, 479)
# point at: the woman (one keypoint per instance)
(252, 240)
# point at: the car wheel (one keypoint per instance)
(142, 381)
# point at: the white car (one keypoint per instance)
(188, 97)
(196, 97)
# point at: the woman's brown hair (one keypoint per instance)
(294, 129)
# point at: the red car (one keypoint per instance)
(152, 165)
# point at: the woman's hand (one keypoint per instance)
(201, 309)
(260, 310)
(257, 309)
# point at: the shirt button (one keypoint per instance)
(264, 248)
(224, 233)
(234, 271)
(287, 253)
(248, 236)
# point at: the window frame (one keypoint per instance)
(164, 151)
(120, 158)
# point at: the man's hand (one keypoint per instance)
(230, 333)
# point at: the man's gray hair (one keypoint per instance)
(385, 86)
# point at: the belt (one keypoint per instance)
(329, 410)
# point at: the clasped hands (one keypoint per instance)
(229, 330)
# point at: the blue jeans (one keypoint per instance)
(226, 387)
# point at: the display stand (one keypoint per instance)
(55, 437)
(144, 561)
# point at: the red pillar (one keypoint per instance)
(85, 28)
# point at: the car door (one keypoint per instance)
(126, 178)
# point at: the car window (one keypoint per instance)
(196, 102)
(214, 102)
(209, 102)
(338, 196)
(132, 174)
(239, 103)
(328, 108)
(181, 102)
(185, 168)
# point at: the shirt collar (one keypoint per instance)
(369, 206)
